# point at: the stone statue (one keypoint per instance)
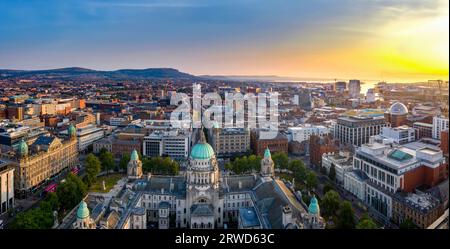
(55, 219)
(103, 184)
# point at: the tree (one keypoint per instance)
(330, 203)
(161, 165)
(281, 160)
(366, 223)
(93, 167)
(332, 173)
(229, 166)
(311, 180)
(327, 188)
(52, 199)
(71, 192)
(107, 161)
(407, 224)
(124, 162)
(298, 169)
(346, 218)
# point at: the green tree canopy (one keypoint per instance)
(93, 167)
(161, 165)
(346, 217)
(327, 188)
(71, 192)
(330, 203)
(311, 179)
(366, 223)
(124, 161)
(281, 160)
(107, 161)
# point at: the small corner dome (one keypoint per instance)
(71, 130)
(134, 155)
(83, 211)
(398, 109)
(267, 153)
(313, 206)
(23, 148)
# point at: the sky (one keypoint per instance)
(380, 40)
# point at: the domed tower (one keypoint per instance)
(397, 114)
(72, 131)
(267, 165)
(313, 218)
(202, 186)
(134, 168)
(84, 221)
(22, 149)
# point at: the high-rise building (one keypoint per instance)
(354, 88)
(440, 123)
(370, 95)
(340, 86)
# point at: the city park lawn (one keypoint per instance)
(110, 181)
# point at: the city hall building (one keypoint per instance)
(202, 198)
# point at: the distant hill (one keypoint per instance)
(84, 73)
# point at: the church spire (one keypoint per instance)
(202, 137)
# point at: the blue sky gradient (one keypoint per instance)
(197, 36)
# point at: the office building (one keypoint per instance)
(303, 132)
(356, 130)
(230, 142)
(174, 144)
(440, 123)
(391, 168)
(354, 88)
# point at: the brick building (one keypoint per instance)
(319, 146)
(260, 143)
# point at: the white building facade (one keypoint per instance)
(440, 123)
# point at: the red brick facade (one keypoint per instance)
(319, 146)
(424, 175)
(280, 143)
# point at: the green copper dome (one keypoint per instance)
(202, 151)
(71, 130)
(23, 148)
(313, 206)
(267, 153)
(134, 156)
(83, 211)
